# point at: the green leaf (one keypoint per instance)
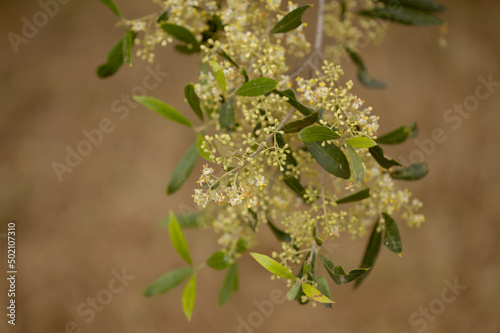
(378, 154)
(363, 76)
(392, 240)
(293, 292)
(428, 5)
(219, 74)
(183, 169)
(199, 141)
(318, 133)
(245, 74)
(273, 266)
(182, 34)
(228, 58)
(163, 109)
(178, 240)
(186, 220)
(116, 56)
(356, 164)
(291, 181)
(371, 253)
(324, 289)
(315, 294)
(292, 100)
(193, 100)
(189, 296)
(185, 49)
(360, 142)
(280, 234)
(163, 17)
(358, 196)
(229, 285)
(226, 115)
(331, 158)
(241, 245)
(290, 21)
(257, 87)
(399, 135)
(403, 15)
(338, 274)
(219, 261)
(297, 125)
(413, 172)
(111, 5)
(166, 282)
(128, 43)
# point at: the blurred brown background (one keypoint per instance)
(104, 215)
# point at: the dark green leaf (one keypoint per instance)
(413, 172)
(257, 87)
(371, 253)
(228, 58)
(330, 157)
(226, 115)
(163, 109)
(219, 75)
(178, 240)
(185, 49)
(182, 34)
(163, 17)
(356, 164)
(291, 181)
(358, 196)
(290, 21)
(280, 234)
(219, 261)
(189, 296)
(273, 266)
(363, 76)
(392, 240)
(293, 101)
(338, 274)
(294, 184)
(317, 133)
(428, 5)
(245, 74)
(111, 5)
(403, 15)
(128, 43)
(193, 100)
(116, 56)
(360, 142)
(378, 154)
(168, 281)
(297, 125)
(183, 169)
(293, 292)
(229, 285)
(398, 135)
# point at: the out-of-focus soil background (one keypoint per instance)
(104, 215)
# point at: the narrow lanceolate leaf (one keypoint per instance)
(371, 253)
(413, 172)
(163, 109)
(324, 289)
(292, 100)
(226, 115)
(166, 282)
(358, 196)
(182, 34)
(315, 294)
(219, 75)
(257, 87)
(363, 76)
(219, 261)
(193, 100)
(290, 21)
(356, 164)
(403, 15)
(228, 58)
(337, 273)
(117, 55)
(273, 266)
(199, 141)
(245, 74)
(189, 296)
(360, 142)
(278, 233)
(178, 240)
(111, 5)
(399, 135)
(428, 5)
(317, 133)
(392, 240)
(229, 285)
(185, 220)
(183, 169)
(297, 125)
(293, 292)
(128, 43)
(331, 158)
(293, 182)
(378, 154)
